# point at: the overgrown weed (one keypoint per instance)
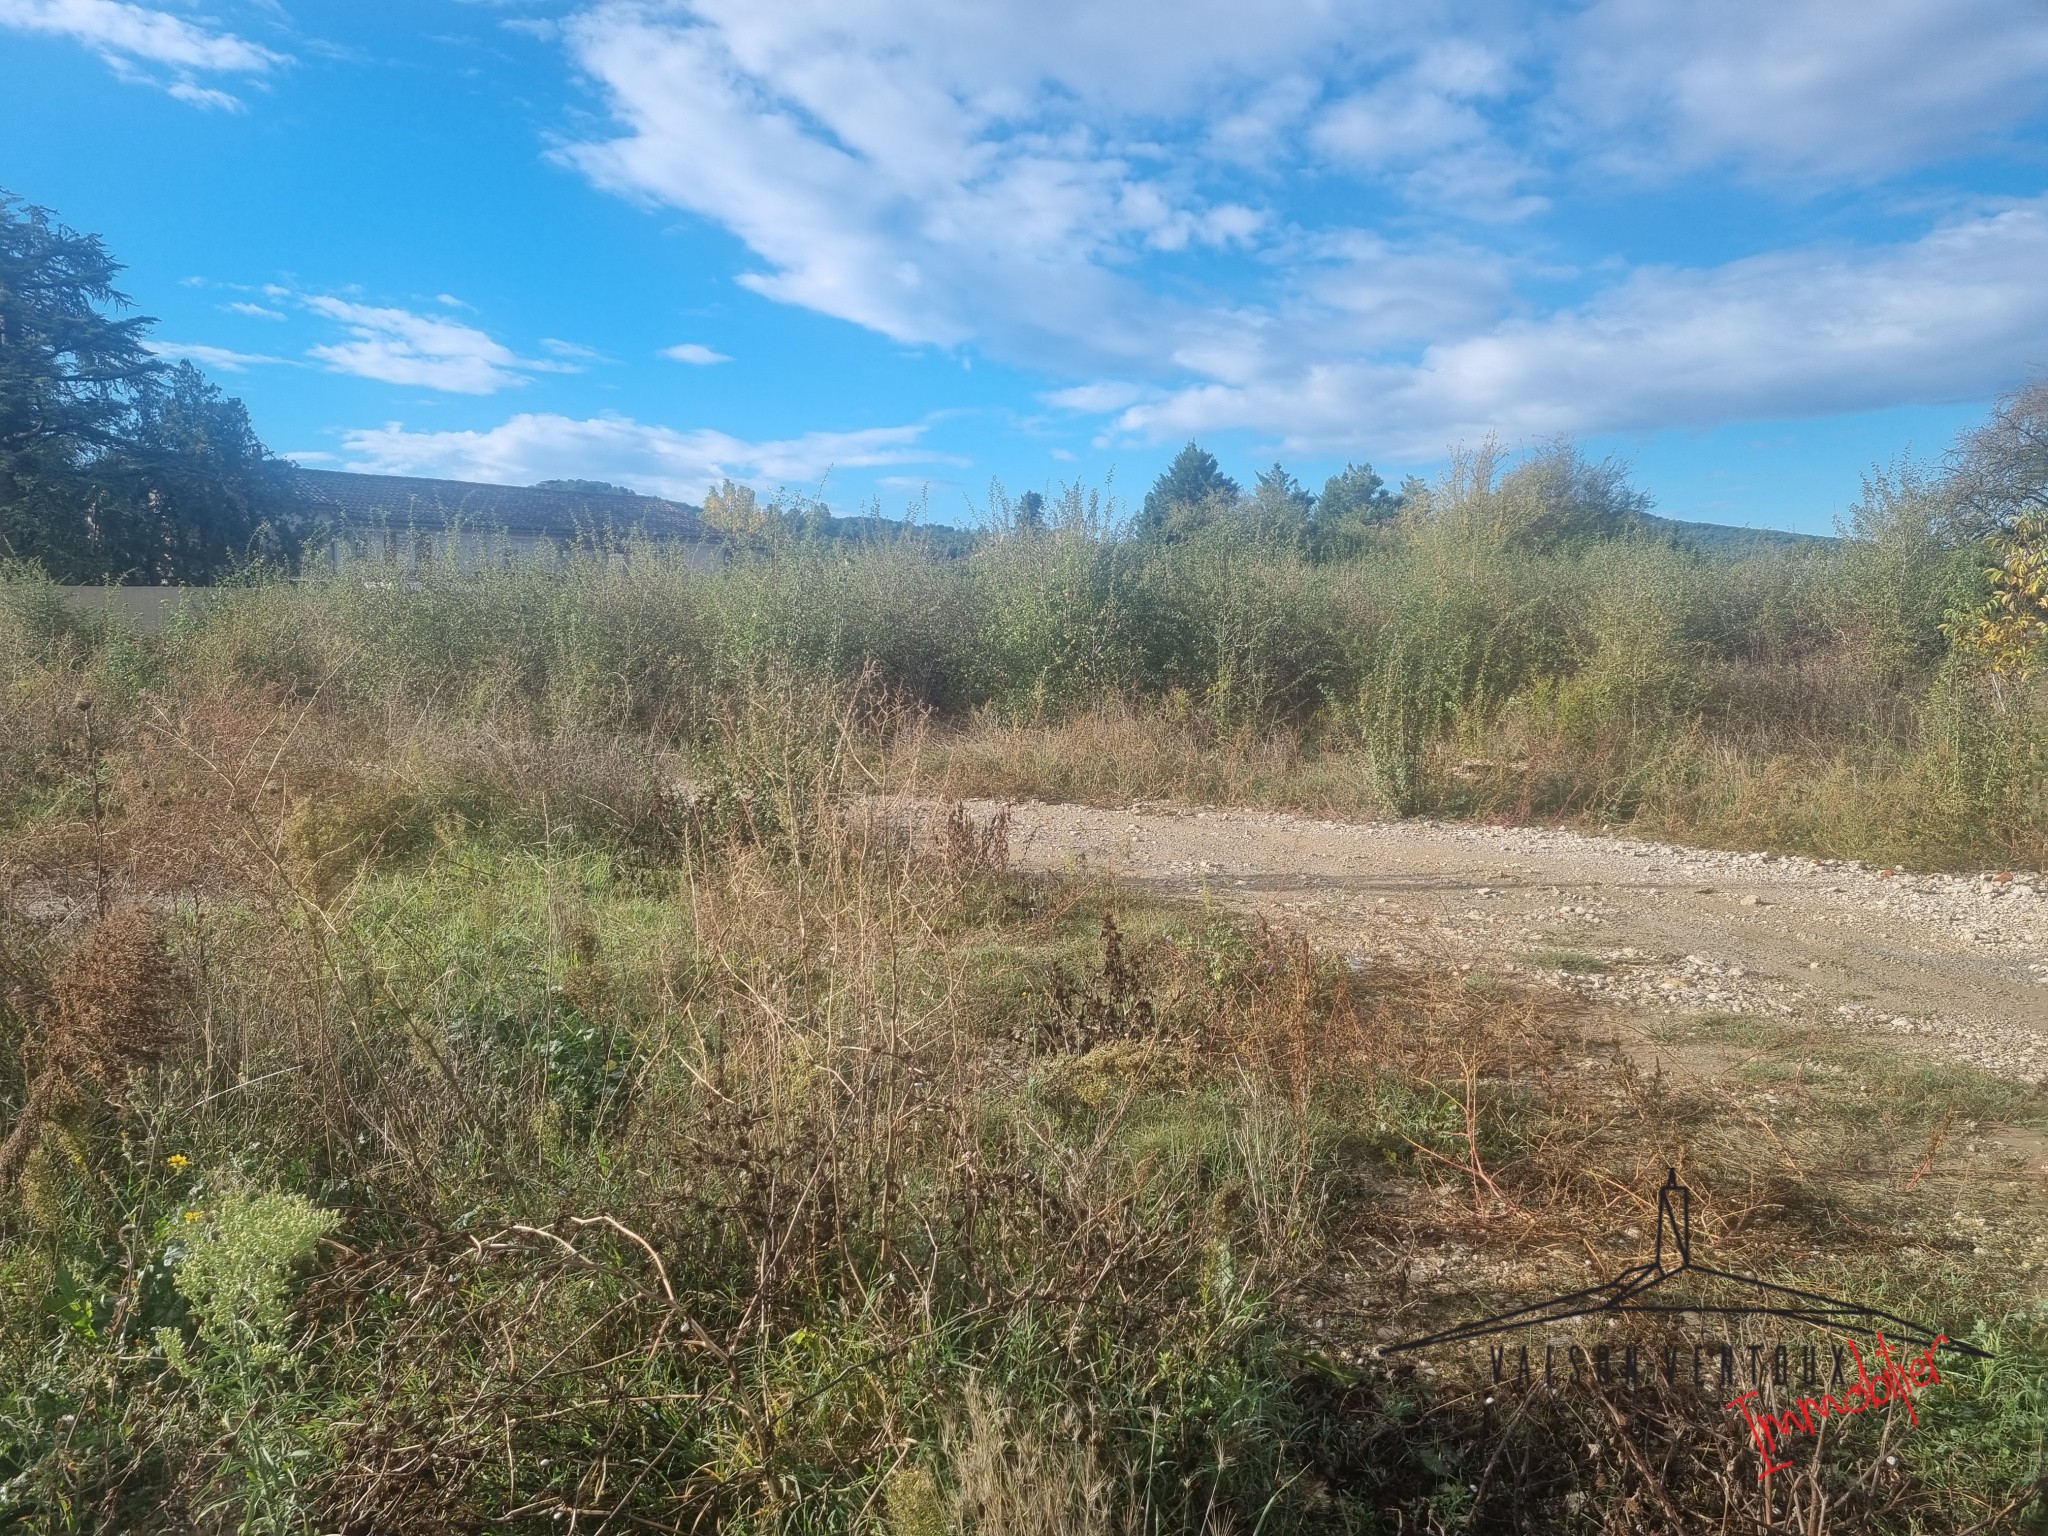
(616, 1116)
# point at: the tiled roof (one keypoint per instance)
(405, 501)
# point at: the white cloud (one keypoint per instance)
(155, 37)
(1147, 210)
(694, 352)
(254, 311)
(571, 349)
(211, 357)
(1395, 123)
(1431, 105)
(1803, 87)
(1360, 292)
(1013, 176)
(662, 460)
(1430, 127)
(202, 95)
(1259, 133)
(927, 170)
(400, 347)
(1952, 316)
(130, 37)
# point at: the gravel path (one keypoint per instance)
(1959, 961)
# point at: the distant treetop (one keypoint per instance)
(1189, 494)
(1998, 473)
(1358, 494)
(585, 487)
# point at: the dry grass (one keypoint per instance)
(1792, 788)
(114, 1007)
(1113, 754)
(712, 1153)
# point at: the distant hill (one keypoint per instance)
(564, 511)
(1722, 539)
(569, 510)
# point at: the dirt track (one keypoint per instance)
(1959, 962)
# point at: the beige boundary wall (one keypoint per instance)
(147, 609)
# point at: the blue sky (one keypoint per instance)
(898, 246)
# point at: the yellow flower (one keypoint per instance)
(195, 1215)
(179, 1160)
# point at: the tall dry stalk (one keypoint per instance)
(115, 1005)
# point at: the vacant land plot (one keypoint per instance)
(442, 1097)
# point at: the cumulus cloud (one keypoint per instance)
(663, 460)
(133, 38)
(400, 347)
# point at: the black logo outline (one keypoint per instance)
(1619, 1296)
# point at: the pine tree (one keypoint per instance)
(68, 372)
(192, 491)
(1190, 494)
(113, 466)
(1280, 505)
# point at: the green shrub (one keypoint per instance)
(235, 1266)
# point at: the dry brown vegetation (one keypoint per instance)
(564, 1099)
